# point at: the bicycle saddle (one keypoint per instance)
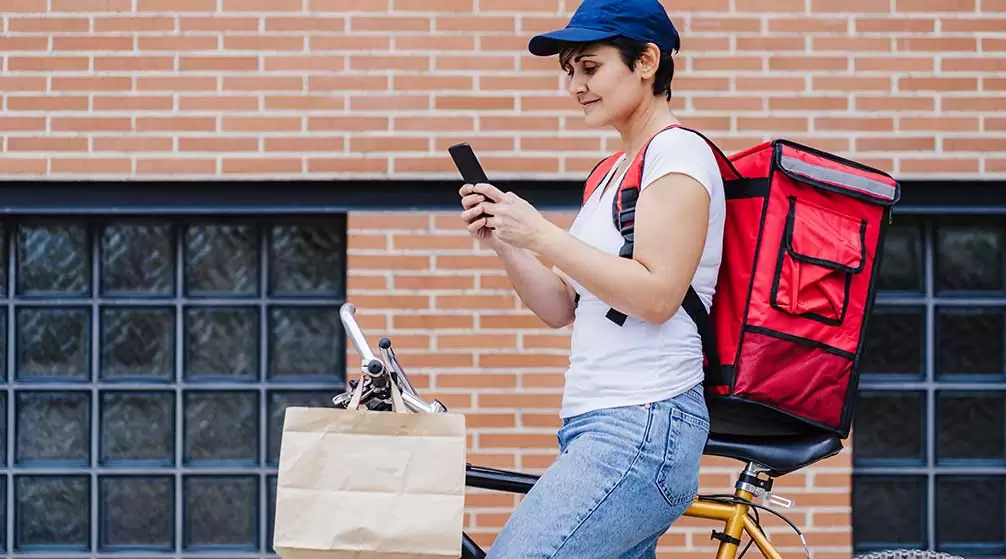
(780, 454)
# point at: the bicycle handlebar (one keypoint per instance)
(380, 371)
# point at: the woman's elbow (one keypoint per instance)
(660, 309)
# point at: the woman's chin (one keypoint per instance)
(594, 119)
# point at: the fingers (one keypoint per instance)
(471, 200)
(472, 213)
(474, 226)
(490, 191)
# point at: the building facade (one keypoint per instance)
(194, 186)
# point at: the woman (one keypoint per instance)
(634, 421)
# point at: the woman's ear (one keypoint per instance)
(649, 61)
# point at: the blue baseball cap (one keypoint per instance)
(642, 20)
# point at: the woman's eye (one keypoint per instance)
(589, 70)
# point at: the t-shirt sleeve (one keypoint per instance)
(680, 151)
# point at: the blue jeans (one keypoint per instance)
(622, 477)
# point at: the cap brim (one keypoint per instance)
(548, 44)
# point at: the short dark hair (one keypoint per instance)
(630, 50)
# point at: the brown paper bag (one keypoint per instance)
(363, 484)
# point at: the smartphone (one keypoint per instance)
(468, 165)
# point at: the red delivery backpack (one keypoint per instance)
(802, 241)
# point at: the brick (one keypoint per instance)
(433, 321)
(22, 123)
(873, 24)
(937, 84)
(261, 123)
(784, 6)
(974, 103)
(133, 24)
(481, 63)
(285, 6)
(131, 144)
(46, 144)
(871, 124)
(305, 103)
(372, 144)
(949, 6)
(807, 63)
(846, 83)
(176, 5)
(262, 165)
(90, 6)
(22, 166)
(46, 103)
(475, 24)
(217, 144)
(217, 63)
(132, 103)
(325, 144)
(133, 63)
(317, 22)
(896, 143)
(48, 24)
(435, 122)
(92, 43)
(91, 166)
(703, 24)
(983, 23)
(347, 165)
(893, 64)
(349, 5)
(89, 124)
(217, 103)
(368, 62)
(349, 123)
(263, 43)
(938, 123)
(480, 103)
(436, 6)
(389, 23)
(175, 124)
(426, 283)
(187, 43)
(263, 84)
(47, 63)
(804, 25)
(23, 6)
(305, 63)
(175, 166)
(217, 23)
(854, 6)
(985, 64)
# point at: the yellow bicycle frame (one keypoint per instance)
(737, 522)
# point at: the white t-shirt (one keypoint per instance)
(639, 362)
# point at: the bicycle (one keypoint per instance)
(764, 459)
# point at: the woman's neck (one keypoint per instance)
(649, 119)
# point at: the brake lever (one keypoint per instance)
(388, 354)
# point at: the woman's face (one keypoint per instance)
(606, 89)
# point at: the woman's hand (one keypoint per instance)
(470, 201)
(512, 219)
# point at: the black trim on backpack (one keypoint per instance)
(745, 188)
(786, 247)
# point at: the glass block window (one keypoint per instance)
(929, 439)
(146, 368)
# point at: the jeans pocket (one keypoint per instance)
(678, 475)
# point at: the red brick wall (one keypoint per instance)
(379, 88)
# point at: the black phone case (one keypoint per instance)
(467, 163)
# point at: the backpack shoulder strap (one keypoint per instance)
(623, 215)
(597, 174)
